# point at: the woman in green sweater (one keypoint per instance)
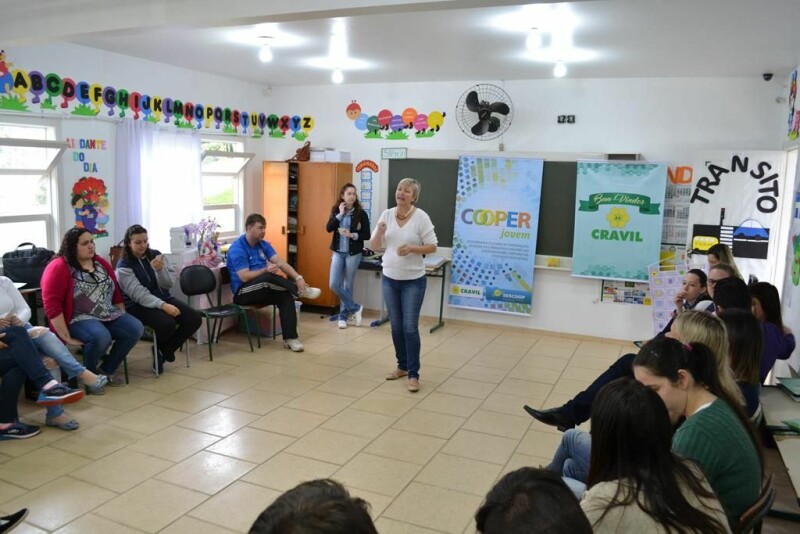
(716, 433)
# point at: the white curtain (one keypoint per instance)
(159, 180)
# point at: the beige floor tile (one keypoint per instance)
(350, 386)
(405, 446)
(609, 350)
(255, 401)
(507, 426)
(252, 445)
(56, 503)
(359, 423)
(262, 371)
(524, 388)
(390, 526)
(544, 362)
(598, 365)
(429, 423)
(174, 443)
(236, 507)
(535, 374)
(284, 471)
(369, 371)
(94, 523)
(151, 506)
(449, 404)
(191, 400)
(314, 371)
(40, 467)
(190, 525)
(518, 460)
(385, 404)
(451, 360)
(495, 361)
(552, 350)
(201, 367)
(167, 382)
(148, 419)
(9, 491)
(460, 474)
(296, 423)
(508, 404)
(328, 446)
(519, 339)
(379, 474)
(321, 403)
(228, 384)
(123, 399)
(466, 388)
(218, 421)
(481, 373)
(121, 470)
(539, 444)
(503, 350)
(438, 508)
(399, 388)
(478, 446)
(88, 415)
(206, 471)
(337, 358)
(97, 441)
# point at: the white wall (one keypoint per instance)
(662, 119)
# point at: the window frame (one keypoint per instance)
(238, 178)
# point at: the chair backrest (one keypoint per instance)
(198, 280)
(752, 517)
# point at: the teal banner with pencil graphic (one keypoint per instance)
(494, 241)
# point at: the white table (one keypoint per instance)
(777, 407)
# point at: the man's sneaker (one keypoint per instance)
(310, 293)
(357, 315)
(293, 344)
(59, 394)
(19, 431)
(342, 324)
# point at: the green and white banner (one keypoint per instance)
(618, 219)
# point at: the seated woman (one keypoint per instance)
(779, 342)
(83, 302)
(146, 276)
(744, 340)
(721, 253)
(14, 311)
(716, 432)
(636, 482)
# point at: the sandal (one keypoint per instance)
(72, 424)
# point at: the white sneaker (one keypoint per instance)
(342, 324)
(357, 315)
(310, 293)
(293, 344)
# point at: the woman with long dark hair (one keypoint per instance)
(349, 224)
(636, 482)
(716, 432)
(744, 342)
(83, 301)
(779, 342)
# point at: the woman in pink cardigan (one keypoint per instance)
(83, 301)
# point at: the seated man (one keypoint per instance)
(319, 506)
(254, 266)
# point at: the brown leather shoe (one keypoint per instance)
(397, 373)
(413, 385)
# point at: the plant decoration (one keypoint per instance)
(207, 234)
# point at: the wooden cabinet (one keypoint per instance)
(297, 200)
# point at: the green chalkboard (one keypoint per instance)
(439, 177)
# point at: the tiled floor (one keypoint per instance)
(206, 448)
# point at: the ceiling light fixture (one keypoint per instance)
(534, 40)
(265, 53)
(337, 76)
(560, 69)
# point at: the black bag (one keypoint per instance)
(26, 264)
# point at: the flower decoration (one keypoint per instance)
(207, 232)
(618, 217)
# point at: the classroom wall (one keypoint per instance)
(662, 119)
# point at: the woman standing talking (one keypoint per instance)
(350, 225)
(405, 233)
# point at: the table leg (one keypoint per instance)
(440, 324)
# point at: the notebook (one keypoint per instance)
(792, 385)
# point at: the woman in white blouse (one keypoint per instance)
(405, 233)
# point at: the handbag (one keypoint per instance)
(26, 264)
(303, 153)
(115, 253)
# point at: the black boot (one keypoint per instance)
(561, 418)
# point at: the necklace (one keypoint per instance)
(403, 217)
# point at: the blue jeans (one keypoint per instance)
(48, 344)
(573, 454)
(403, 300)
(18, 360)
(97, 336)
(343, 274)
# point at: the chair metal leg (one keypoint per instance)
(243, 313)
(210, 338)
(187, 353)
(155, 353)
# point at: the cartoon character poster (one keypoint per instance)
(367, 172)
(793, 121)
(736, 200)
(790, 297)
(90, 202)
(392, 126)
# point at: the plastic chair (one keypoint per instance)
(225, 278)
(751, 519)
(200, 280)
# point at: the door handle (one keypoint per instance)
(303, 230)
(283, 230)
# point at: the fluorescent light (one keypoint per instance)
(265, 54)
(337, 76)
(534, 40)
(560, 70)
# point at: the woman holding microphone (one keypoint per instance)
(405, 233)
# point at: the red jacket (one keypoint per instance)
(58, 289)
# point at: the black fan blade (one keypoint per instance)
(500, 107)
(494, 124)
(480, 128)
(472, 101)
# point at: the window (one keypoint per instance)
(223, 176)
(28, 206)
